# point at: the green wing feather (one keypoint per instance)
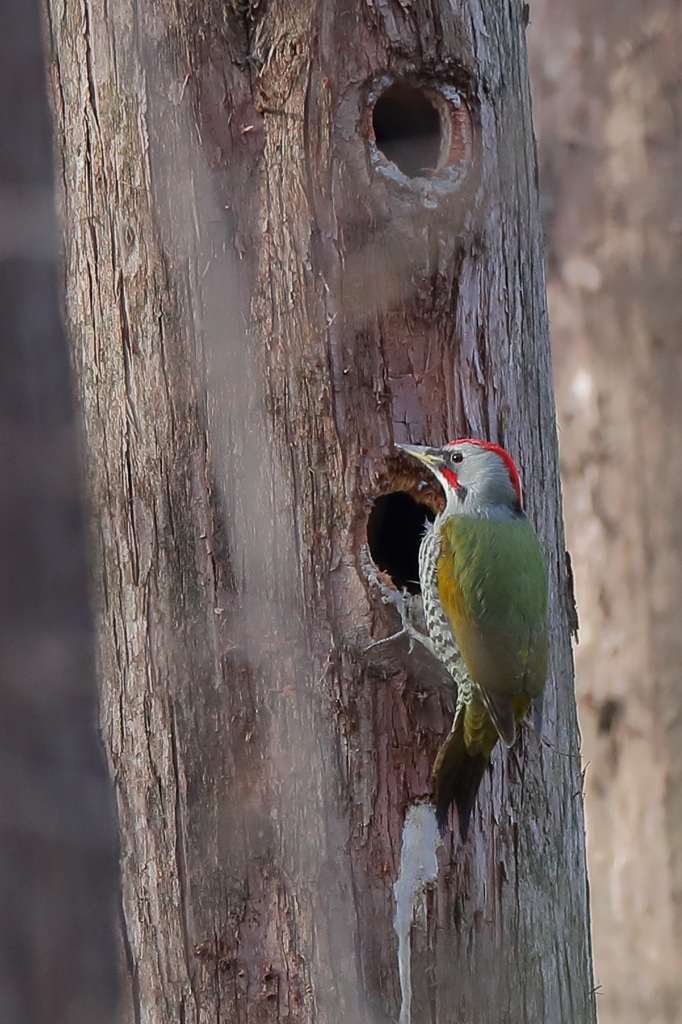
(492, 582)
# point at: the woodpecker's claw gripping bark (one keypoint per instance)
(410, 608)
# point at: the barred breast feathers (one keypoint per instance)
(437, 621)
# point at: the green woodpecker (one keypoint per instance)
(484, 585)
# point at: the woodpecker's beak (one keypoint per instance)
(431, 457)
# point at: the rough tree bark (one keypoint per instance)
(261, 303)
(608, 99)
(58, 962)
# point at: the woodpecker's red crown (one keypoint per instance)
(477, 472)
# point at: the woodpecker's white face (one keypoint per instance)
(478, 478)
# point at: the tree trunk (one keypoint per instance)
(266, 288)
(57, 830)
(609, 103)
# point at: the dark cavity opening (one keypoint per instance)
(610, 713)
(407, 129)
(394, 531)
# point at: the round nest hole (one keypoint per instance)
(408, 129)
(394, 531)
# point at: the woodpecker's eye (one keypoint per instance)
(457, 457)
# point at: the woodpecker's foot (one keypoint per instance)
(408, 607)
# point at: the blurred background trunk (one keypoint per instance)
(58, 891)
(264, 293)
(608, 109)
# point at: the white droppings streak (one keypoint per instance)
(418, 866)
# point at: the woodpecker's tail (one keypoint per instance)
(461, 763)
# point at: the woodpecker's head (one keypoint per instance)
(477, 477)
